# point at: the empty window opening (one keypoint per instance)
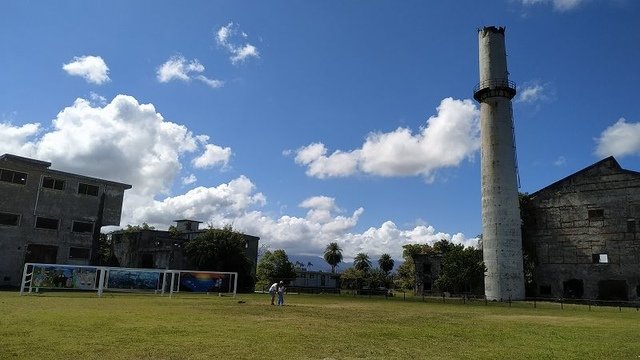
(79, 253)
(9, 219)
(11, 176)
(572, 289)
(596, 214)
(613, 290)
(545, 290)
(51, 183)
(44, 254)
(82, 227)
(146, 261)
(427, 286)
(631, 225)
(600, 258)
(426, 268)
(47, 223)
(87, 189)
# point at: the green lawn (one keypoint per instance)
(128, 326)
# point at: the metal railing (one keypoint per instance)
(494, 84)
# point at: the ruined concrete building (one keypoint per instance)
(582, 234)
(163, 249)
(51, 216)
(427, 268)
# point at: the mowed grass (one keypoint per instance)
(130, 326)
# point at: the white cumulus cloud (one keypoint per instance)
(132, 143)
(447, 139)
(122, 141)
(188, 180)
(91, 68)
(213, 155)
(532, 93)
(620, 139)
(18, 139)
(211, 82)
(559, 5)
(179, 68)
(238, 52)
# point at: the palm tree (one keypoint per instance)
(333, 255)
(362, 262)
(386, 263)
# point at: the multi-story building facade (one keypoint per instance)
(582, 234)
(51, 216)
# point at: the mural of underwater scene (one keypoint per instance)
(132, 279)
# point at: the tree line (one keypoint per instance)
(224, 250)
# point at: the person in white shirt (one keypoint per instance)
(272, 292)
(281, 294)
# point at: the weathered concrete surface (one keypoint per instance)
(591, 212)
(24, 242)
(501, 234)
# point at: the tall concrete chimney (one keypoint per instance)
(501, 234)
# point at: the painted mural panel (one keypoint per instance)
(132, 279)
(64, 277)
(204, 282)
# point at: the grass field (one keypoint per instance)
(128, 326)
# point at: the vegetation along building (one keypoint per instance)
(145, 247)
(51, 216)
(581, 235)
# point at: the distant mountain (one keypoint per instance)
(318, 263)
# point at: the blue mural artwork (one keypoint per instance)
(132, 279)
(202, 282)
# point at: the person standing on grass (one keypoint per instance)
(272, 292)
(281, 294)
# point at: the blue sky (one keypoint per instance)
(306, 122)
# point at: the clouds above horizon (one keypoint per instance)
(92, 68)
(447, 138)
(178, 67)
(619, 140)
(558, 5)
(132, 143)
(534, 92)
(227, 36)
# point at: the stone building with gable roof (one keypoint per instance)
(582, 234)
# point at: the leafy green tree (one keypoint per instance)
(462, 268)
(221, 250)
(362, 262)
(407, 271)
(275, 266)
(135, 228)
(386, 263)
(377, 278)
(105, 250)
(352, 278)
(333, 255)
(174, 232)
